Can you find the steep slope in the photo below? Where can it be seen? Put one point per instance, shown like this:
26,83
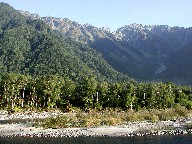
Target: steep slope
166,47
179,66
146,53
30,46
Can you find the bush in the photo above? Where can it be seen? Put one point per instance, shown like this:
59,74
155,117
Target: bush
112,117
154,118
181,110
58,122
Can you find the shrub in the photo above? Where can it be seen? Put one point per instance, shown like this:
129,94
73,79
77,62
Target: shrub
181,110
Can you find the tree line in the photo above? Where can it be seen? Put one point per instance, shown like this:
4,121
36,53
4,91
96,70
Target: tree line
54,91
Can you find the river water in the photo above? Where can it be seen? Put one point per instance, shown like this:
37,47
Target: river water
181,139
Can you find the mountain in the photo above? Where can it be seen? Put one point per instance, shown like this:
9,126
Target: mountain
85,33
116,53
166,49
29,46
146,53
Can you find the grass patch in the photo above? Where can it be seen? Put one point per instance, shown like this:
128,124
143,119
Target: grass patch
112,117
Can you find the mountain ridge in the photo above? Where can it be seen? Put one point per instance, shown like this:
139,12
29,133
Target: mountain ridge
142,52
29,46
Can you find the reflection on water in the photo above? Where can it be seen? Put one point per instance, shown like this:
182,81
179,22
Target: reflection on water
184,139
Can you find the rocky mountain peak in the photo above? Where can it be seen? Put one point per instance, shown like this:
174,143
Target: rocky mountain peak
105,29
26,13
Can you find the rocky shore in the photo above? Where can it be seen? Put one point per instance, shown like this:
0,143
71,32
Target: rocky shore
5,115
8,131
144,128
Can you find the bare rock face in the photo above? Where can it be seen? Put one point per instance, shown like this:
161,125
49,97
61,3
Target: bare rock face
84,33
137,35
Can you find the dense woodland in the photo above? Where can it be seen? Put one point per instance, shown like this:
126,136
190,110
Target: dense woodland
53,91
29,46
39,69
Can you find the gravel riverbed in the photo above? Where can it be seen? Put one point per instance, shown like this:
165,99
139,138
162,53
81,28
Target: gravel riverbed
142,128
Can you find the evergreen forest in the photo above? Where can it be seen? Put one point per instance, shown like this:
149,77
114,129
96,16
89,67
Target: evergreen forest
40,69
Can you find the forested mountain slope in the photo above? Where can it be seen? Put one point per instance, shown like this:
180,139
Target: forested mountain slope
147,53
29,46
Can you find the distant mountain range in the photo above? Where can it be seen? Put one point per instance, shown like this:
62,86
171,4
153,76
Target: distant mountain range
166,51
146,53
39,45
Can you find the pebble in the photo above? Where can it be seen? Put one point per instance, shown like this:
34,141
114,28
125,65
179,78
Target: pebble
178,127
82,133
4,115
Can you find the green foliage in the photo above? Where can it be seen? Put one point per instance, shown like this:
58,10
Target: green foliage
54,91
109,117
29,46
40,69
181,110
57,122
91,119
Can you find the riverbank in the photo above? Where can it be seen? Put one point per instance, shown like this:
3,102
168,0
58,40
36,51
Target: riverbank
5,115
141,128
133,129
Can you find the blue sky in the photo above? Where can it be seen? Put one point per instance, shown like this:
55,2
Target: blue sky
112,13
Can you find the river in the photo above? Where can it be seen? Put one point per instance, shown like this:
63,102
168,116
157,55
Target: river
179,139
